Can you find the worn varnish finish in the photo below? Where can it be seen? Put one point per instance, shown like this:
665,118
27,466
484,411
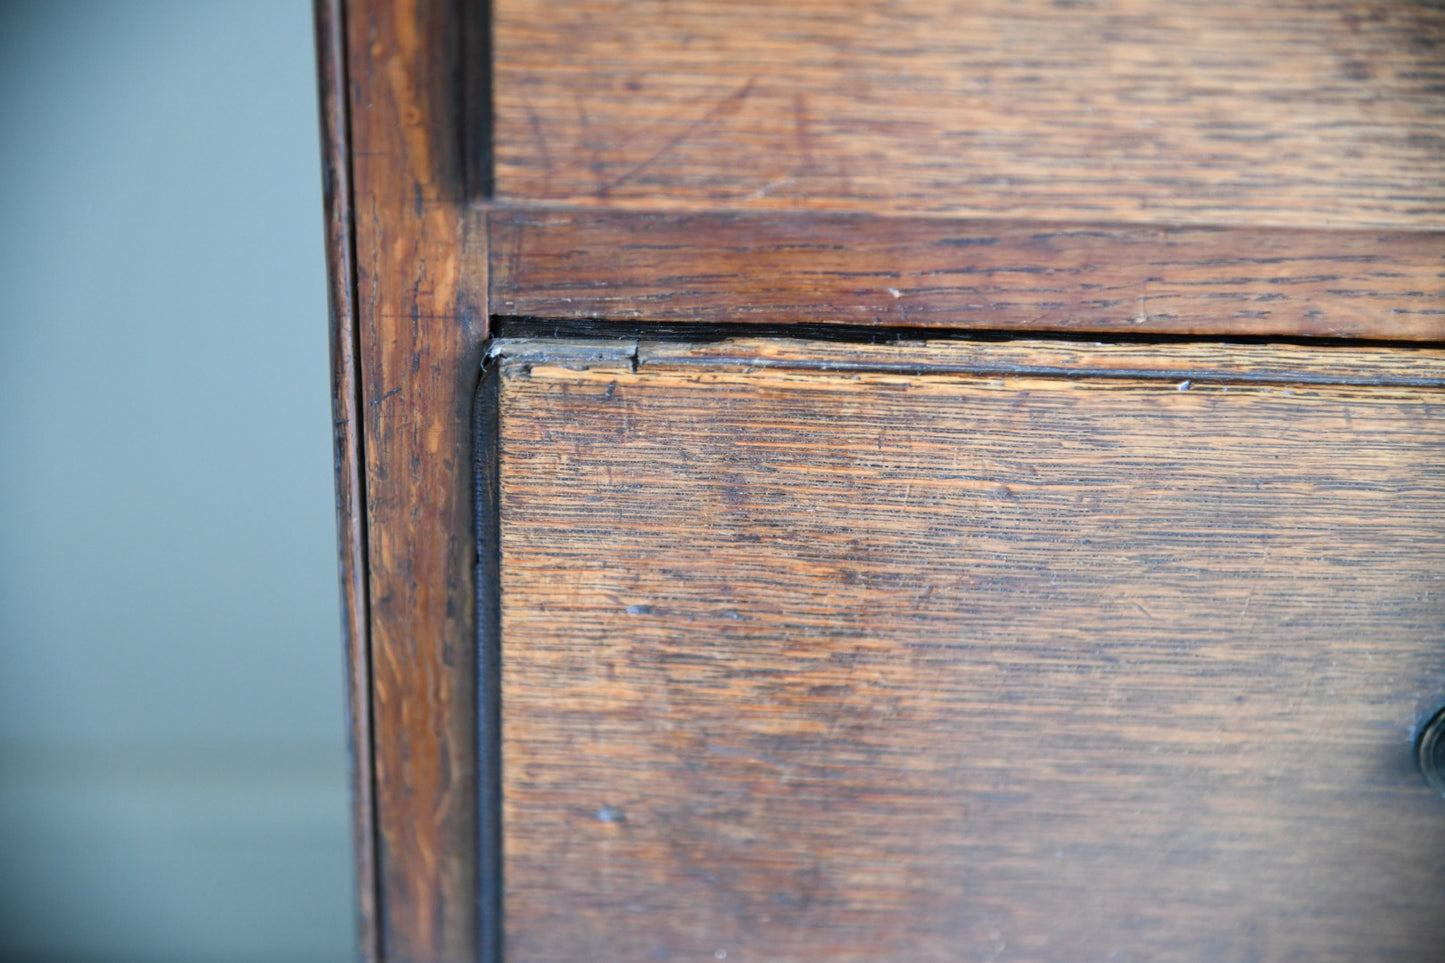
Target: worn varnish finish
917,272
1312,114
1123,166
421,316
346,427
805,661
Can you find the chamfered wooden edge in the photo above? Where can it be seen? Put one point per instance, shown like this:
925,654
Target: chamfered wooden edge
486,488
346,433
809,267
1186,364
1203,362
421,319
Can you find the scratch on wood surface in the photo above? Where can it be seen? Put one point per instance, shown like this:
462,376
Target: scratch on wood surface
724,107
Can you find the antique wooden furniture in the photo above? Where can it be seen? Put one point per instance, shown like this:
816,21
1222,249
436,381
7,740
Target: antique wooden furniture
891,480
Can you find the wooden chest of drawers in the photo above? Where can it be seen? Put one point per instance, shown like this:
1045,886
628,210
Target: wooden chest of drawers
891,480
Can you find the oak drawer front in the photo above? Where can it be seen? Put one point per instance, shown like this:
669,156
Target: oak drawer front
1312,114
963,651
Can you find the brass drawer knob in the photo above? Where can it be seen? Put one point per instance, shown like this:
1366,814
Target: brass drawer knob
1430,752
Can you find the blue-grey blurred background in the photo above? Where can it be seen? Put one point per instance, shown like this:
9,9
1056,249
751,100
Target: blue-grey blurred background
172,765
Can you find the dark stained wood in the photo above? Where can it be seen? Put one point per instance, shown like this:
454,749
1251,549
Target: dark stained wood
346,428
1302,113
818,658
819,268
422,316
1126,166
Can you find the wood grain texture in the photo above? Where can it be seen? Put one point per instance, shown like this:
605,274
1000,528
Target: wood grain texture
932,272
422,316
1211,362
1303,113
911,665
346,440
